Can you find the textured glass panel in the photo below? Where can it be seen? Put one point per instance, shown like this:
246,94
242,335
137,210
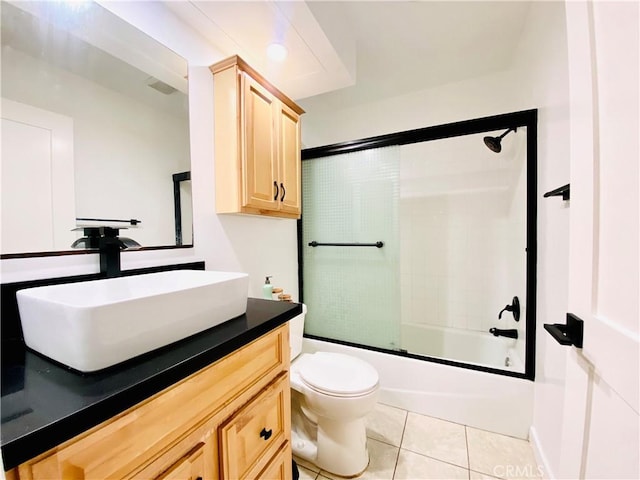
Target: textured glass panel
352,293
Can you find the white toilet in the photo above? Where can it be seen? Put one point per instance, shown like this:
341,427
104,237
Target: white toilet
331,394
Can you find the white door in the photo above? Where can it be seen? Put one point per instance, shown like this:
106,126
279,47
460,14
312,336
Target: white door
36,170
600,430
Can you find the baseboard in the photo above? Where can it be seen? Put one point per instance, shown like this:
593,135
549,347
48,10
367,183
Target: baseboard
541,458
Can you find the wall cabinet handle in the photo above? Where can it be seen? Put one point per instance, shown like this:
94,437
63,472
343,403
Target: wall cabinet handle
275,196
284,192
266,434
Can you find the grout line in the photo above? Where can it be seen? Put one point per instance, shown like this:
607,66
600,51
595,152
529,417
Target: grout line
466,441
486,474
382,441
404,427
436,458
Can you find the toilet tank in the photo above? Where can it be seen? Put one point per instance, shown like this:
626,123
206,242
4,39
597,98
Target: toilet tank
296,329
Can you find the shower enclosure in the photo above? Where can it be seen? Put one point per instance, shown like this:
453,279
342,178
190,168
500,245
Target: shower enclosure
422,243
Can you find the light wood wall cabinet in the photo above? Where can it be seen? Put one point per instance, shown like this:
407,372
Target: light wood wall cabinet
257,143
231,420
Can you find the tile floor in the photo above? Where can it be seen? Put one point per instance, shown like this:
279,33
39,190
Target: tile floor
408,446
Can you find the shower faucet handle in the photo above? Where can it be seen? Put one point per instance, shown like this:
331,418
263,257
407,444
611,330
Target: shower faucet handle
513,308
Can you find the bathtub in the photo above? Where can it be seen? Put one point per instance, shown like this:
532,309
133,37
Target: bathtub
478,348
479,399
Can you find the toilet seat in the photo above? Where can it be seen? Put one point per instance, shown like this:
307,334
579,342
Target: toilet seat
338,375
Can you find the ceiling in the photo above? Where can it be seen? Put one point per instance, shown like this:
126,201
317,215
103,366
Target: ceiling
350,52
341,53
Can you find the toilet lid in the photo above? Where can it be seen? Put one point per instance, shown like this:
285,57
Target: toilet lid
339,374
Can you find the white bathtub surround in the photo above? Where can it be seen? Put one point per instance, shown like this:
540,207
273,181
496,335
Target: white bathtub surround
496,403
475,347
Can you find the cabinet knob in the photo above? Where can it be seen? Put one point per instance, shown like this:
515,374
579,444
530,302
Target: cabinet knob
275,196
284,192
266,434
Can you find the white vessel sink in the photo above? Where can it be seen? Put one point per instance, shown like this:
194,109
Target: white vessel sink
93,325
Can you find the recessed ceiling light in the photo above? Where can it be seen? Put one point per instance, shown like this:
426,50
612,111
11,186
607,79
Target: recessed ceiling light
277,52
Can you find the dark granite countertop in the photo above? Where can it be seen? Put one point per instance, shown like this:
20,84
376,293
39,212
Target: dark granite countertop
44,403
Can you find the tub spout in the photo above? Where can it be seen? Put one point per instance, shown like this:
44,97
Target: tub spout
509,332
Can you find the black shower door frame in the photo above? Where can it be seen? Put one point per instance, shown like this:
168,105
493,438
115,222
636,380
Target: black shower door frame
524,118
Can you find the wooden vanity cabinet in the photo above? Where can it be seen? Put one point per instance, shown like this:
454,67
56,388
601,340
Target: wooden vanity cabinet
257,143
230,420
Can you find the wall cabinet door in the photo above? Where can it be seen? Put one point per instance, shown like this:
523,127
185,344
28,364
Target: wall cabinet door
260,159
290,163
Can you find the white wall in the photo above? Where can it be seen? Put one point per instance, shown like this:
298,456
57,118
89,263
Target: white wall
478,97
258,246
542,61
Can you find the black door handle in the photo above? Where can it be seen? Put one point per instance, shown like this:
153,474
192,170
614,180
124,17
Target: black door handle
266,434
275,184
284,192
571,333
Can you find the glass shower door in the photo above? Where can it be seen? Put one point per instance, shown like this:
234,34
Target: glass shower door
463,214
352,291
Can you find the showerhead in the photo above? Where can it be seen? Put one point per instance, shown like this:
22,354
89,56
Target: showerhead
494,142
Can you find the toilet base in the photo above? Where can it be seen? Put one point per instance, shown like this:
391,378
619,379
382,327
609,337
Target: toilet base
339,448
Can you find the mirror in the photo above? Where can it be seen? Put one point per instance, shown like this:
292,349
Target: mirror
94,125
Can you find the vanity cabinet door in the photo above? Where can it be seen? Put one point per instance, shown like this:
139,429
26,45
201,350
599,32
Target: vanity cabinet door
253,436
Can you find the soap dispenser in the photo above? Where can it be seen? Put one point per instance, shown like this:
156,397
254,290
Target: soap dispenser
267,288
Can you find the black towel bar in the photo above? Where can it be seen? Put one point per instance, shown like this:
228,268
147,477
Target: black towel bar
132,221
318,244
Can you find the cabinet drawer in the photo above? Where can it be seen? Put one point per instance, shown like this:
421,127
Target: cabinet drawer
190,467
139,436
251,437
280,467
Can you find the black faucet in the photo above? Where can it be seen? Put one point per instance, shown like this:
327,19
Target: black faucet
513,308
509,332
110,246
